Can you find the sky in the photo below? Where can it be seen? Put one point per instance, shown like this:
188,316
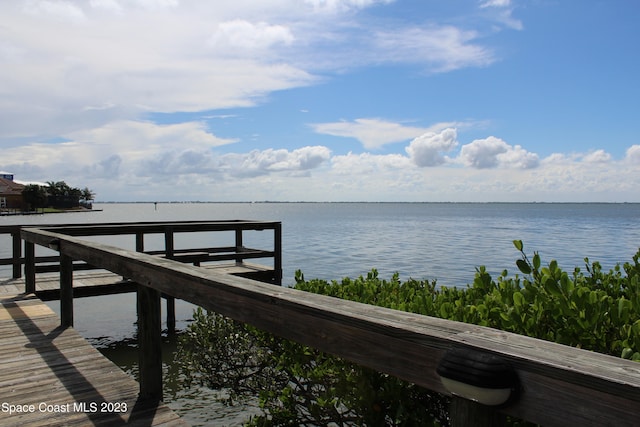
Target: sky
324,100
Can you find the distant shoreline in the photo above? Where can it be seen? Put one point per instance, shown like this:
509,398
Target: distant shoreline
46,212
363,202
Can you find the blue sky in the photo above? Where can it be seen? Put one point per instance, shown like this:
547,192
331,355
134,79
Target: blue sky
324,100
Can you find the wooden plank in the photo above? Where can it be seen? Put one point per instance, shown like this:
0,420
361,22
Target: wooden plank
60,378
26,311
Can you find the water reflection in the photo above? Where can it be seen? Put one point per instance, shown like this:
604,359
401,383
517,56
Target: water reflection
198,406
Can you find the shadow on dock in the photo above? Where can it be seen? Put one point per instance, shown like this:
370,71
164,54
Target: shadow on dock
57,378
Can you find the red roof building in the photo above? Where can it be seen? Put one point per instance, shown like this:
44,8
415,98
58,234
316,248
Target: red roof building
10,193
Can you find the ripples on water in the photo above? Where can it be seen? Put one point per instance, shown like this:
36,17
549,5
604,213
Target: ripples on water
439,241
443,241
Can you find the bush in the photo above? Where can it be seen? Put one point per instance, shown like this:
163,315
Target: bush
298,385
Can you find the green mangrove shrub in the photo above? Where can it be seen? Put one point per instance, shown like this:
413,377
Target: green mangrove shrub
298,385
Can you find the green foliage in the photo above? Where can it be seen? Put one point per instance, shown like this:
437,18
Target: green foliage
298,385
34,196
56,194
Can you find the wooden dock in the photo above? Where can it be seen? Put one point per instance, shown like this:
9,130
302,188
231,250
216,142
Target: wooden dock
555,385
95,283
50,375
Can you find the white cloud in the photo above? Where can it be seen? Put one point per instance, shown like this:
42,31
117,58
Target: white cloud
483,153
633,154
135,56
241,34
374,133
428,149
148,56
441,48
496,3
114,157
110,5
61,10
493,152
503,13
518,157
366,165
123,146
157,4
138,160
264,162
138,139
597,156
343,5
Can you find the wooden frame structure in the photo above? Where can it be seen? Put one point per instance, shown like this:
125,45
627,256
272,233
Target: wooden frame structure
560,385
237,253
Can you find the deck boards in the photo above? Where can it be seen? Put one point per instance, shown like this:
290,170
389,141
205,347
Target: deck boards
43,364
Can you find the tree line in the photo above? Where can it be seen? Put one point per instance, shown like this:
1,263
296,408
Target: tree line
56,194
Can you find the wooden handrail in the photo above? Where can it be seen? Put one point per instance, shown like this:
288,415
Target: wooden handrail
560,385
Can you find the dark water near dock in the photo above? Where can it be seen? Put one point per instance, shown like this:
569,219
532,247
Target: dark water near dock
442,241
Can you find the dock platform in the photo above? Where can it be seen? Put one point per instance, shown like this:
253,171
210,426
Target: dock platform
50,375
96,282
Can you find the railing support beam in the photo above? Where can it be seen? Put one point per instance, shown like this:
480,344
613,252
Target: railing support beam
239,246
277,257
66,290
169,247
149,343
171,314
465,413
29,267
17,254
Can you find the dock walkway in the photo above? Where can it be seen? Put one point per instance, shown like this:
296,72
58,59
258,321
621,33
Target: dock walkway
50,375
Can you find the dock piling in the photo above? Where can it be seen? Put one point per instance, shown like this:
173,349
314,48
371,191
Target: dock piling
66,290
149,343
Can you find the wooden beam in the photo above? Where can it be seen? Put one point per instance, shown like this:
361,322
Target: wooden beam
239,246
17,253
464,413
139,241
168,242
277,257
149,343
66,290
29,267
171,314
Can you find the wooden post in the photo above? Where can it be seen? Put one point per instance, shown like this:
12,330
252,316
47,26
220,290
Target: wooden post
277,257
171,301
171,315
239,245
463,413
29,267
66,290
149,343
139,241
17,254
168,242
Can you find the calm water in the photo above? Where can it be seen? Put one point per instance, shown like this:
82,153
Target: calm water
439,241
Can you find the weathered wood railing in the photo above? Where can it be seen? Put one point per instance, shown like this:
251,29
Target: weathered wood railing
560,385
238,252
